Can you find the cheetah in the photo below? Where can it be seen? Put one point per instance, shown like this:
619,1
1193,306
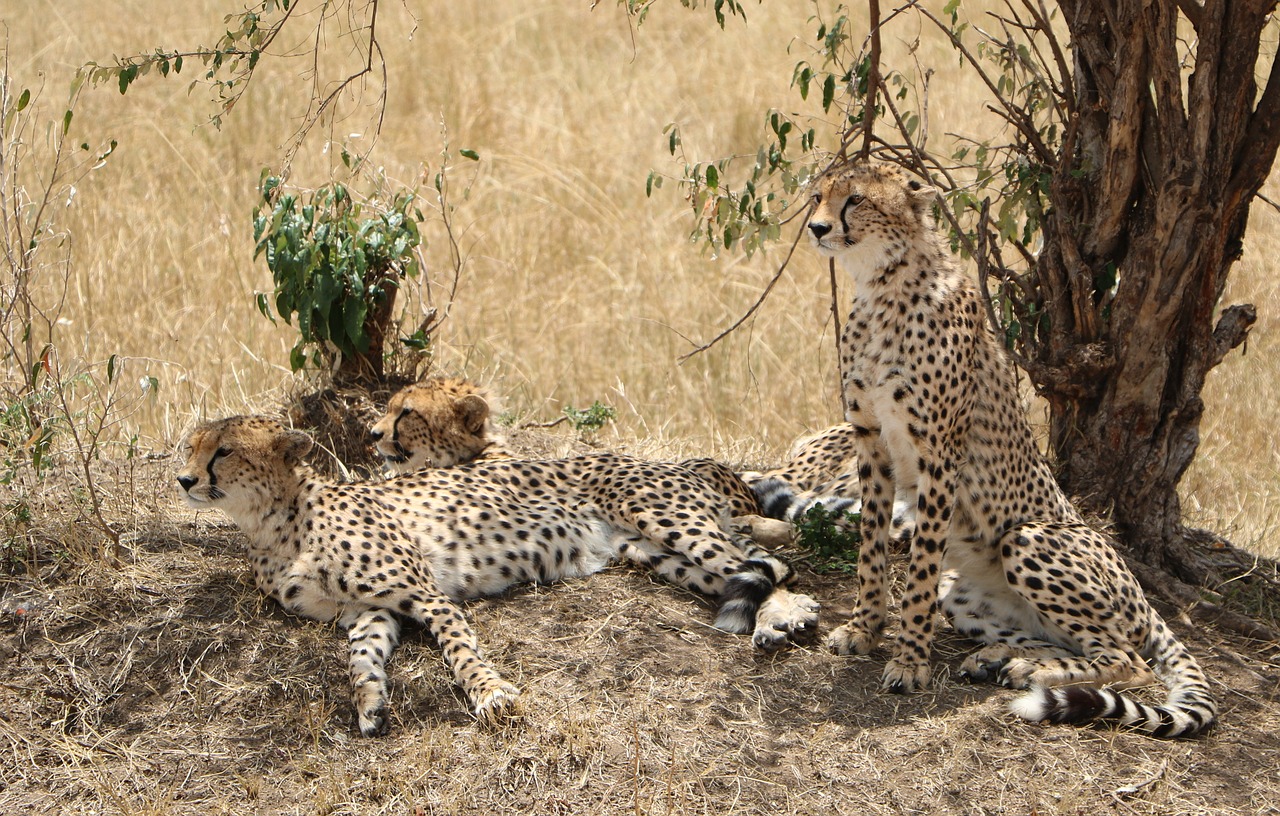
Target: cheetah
448,421
366,554
997,544
822,470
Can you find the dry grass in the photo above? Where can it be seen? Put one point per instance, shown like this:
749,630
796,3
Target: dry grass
170,686
577,287
165,684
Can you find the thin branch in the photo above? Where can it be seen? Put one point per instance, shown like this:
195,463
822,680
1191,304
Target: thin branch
1268,201
873,79
835,319
754,307
1041,16
316,112
1040,73
1018,118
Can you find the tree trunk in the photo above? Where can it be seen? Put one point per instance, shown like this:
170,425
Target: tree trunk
1154,192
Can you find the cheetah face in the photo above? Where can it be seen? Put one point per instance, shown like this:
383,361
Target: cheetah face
436,423
238,464
867,209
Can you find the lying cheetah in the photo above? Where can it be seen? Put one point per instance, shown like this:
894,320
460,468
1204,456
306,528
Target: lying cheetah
932,403
822,470
364,554
448,421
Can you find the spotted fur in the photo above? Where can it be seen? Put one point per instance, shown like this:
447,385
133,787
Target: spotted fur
447,421
366,554
444,422
932,404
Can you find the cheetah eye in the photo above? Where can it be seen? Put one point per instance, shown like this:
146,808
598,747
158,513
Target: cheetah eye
856,198
405,411
817,198
221,452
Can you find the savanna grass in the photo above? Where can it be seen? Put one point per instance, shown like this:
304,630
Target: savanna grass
576,286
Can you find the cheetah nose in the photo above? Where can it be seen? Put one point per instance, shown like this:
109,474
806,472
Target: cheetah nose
376,434
819,229
187,482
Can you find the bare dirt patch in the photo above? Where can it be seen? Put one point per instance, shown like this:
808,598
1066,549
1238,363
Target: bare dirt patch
168,685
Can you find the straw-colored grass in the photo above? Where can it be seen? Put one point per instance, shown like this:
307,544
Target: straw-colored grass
577,287
158,681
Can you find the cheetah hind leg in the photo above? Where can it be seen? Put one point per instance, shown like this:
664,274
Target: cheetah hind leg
982,607
1103,650
745,579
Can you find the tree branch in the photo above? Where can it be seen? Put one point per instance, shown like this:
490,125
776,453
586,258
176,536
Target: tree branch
1232,330
755,306
1019,118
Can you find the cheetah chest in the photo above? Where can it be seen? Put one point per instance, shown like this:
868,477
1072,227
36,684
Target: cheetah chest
876,371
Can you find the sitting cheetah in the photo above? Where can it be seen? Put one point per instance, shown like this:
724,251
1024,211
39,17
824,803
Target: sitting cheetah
364,554
997,543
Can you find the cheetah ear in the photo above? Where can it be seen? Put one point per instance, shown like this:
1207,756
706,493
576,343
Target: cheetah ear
474,412
293,445
921,195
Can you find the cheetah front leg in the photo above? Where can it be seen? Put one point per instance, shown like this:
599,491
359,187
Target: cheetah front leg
490,695
372,635
909,669
865,627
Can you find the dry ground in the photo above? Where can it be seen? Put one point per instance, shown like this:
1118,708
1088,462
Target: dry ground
168,685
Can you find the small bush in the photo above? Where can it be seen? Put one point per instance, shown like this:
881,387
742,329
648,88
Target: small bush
832,539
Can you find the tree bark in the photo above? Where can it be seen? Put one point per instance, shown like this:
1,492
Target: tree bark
1155,193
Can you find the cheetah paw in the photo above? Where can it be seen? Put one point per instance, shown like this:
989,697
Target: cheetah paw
785,617
493,704
987,665
903,676
373,722
852,639
1018,673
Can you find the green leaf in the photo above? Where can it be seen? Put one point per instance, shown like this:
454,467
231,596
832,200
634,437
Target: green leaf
828,92
713,176
468,153
24,98
66,122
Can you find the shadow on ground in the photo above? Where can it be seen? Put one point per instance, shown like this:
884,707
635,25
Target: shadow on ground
169,686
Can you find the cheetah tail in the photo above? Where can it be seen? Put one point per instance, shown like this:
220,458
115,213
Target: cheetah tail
1085,704
779,500
1188,709
747,589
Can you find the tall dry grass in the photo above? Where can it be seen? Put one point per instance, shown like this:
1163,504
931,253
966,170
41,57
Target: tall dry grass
577,287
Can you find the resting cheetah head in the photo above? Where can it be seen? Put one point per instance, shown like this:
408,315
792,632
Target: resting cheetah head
439,422
869,210
239,465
